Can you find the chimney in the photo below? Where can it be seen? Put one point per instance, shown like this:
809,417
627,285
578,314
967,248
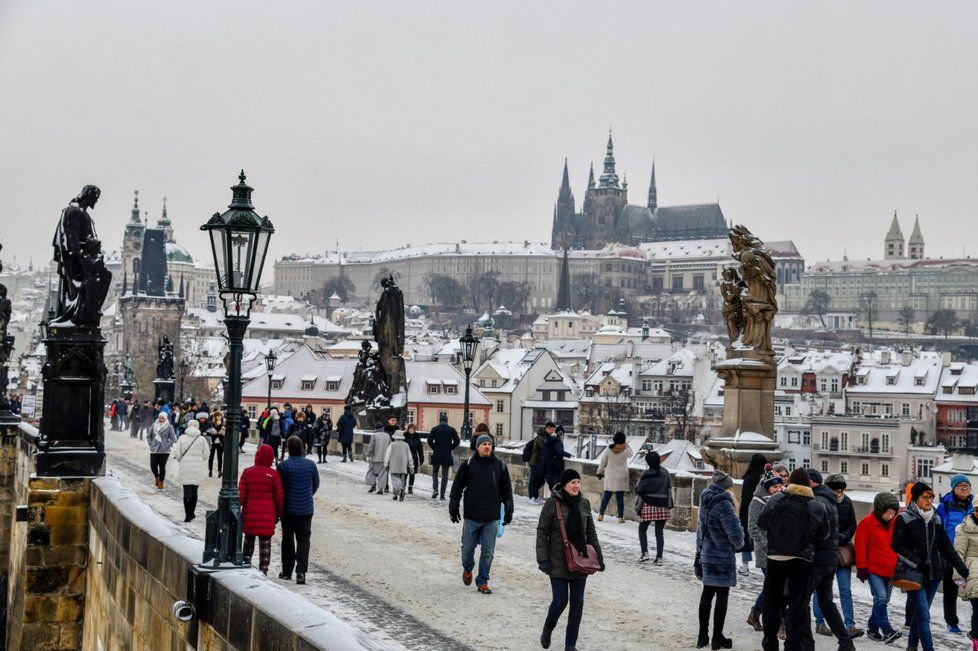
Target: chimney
906,357
946,358
885,356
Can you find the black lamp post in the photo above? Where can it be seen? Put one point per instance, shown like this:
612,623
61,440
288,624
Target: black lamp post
183,367
239,242
467,343
270,360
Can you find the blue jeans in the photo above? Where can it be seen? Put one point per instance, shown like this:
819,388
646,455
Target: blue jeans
920,621
759,602
619,499
843,578
881,589
482,534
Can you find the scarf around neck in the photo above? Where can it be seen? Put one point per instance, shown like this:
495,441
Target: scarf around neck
159,427
574,526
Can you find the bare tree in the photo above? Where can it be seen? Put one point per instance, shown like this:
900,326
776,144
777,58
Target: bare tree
679,411
444,290
339,285
906,318
586,291
513,295
818,304
869,306
482,290
607,415
943,322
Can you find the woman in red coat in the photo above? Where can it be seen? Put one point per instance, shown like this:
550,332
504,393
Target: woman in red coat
876,561
260,492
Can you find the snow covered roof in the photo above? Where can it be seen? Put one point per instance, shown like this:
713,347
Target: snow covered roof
712,248
920,375
817,361
958,384
281,322
525,248
679,364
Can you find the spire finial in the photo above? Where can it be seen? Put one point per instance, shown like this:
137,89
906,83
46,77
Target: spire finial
242,177
164,206
135,201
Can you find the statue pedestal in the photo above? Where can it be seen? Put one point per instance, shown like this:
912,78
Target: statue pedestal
749,380
164,390
71,442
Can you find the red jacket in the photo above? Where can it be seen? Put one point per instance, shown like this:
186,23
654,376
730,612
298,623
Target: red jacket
260,491
873,546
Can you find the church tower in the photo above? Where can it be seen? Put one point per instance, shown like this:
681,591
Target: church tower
915,248
164,224
132,244
605,203
563,211
653,193
893,244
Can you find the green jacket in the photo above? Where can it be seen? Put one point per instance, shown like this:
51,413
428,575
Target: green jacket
550,544
538,446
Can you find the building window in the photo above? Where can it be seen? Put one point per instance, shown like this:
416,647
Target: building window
856,406
844,467
845,441
449,389
308,385
864,469
825,465
251,411
794,382
806,438
499,430
794,436
884,470
499,406
924,467
677,282
433,388
410,416
276,384
332,386
905,409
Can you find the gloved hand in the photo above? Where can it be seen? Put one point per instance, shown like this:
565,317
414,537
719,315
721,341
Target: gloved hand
862,574
507,518
454,514
602,566
600,476
544,567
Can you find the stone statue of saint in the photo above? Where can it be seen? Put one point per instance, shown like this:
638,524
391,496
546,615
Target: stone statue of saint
389,319
731,288
83,279
759,298
164,364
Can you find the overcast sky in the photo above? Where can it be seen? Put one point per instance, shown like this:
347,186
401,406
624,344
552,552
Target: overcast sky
383,123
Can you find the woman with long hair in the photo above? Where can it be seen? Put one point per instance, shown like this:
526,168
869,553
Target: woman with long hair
655,491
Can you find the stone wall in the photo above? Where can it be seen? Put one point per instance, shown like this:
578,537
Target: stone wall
686,488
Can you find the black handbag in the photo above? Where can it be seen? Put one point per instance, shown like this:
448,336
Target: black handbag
907,575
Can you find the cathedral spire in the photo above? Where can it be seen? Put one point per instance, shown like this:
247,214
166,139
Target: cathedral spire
566,195
134,215
563,289
590,178
609,179
182,293
653,193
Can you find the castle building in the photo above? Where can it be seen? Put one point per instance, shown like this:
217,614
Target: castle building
893,243
607,217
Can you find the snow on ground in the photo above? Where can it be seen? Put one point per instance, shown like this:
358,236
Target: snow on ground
392,569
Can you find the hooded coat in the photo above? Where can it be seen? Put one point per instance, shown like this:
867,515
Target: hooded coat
913,537
752,477
817,527
718,536
191,451
377,448
398,456
344,427
550,542
614,466
953,512
260,491
873,545
966,545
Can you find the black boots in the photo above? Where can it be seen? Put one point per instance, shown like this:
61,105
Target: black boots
720,642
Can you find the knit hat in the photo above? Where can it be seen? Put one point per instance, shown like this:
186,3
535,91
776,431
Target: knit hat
800,477
652,458
883,502
549,423
192,428
815,476
919,489
483,438
443,418
836,482
959,479
618,438
723,480
568,475
770,478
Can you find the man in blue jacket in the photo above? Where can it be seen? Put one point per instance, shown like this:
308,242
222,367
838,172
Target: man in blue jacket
300,481
953,509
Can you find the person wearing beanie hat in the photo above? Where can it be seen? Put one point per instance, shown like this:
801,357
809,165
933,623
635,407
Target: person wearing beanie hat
921,538
794,521
565,519
814,476
953,508
483,489
875,562
345,425
191,451
719,535
613,471
751,478
399,463
480,429
770,484
443,439
552,455
654,505
843,575
160,439
536,462
483,438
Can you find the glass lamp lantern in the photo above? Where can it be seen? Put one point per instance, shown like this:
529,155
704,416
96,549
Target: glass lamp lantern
467,343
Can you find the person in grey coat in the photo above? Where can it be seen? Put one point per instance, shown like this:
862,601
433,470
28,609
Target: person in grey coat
160,438
718,536
377,453
399,463
770,484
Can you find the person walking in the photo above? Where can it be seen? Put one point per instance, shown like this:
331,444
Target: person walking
770,484
751,478
344,432
216,433
377,453
613,471
135,420
413,439
442,439
160,439
537,476
966,545
398,463
322,431
919,537
261,495
566,587
300,481
244,421
301,429
483,488
826,562
876,562
654,490
718,537
190,452
794,521
953,509
843,573
480,429
552,456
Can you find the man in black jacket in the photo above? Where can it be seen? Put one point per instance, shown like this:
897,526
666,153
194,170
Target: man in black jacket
442,440
794,521
843,575
537,476
484,482
826,562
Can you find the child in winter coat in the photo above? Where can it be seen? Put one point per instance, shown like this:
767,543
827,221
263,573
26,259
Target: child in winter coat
399,463
191,451
261,495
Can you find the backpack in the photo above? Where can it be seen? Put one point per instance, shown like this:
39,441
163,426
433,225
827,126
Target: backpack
789,526
528,451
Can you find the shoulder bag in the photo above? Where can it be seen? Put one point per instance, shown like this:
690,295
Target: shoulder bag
576,563
847,555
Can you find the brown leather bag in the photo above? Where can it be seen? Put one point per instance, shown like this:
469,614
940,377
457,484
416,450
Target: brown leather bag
576,563
847,555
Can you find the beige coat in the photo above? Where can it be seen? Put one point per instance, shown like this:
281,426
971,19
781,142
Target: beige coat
614,466
966,545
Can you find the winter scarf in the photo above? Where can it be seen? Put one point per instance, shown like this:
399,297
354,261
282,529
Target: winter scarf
574,526
159,427
927,515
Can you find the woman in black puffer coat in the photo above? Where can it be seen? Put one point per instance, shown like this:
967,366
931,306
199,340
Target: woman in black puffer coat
564,584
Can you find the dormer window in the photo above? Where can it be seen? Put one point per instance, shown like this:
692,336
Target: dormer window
918,381
308,385
276,384
332,386
434,388
891,380
449,389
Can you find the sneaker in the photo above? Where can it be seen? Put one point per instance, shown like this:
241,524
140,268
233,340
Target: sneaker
744,568
300,579
657,561
891,637
822,629
854,631
484,589
284,576
876,636
954,628
644,557
467,578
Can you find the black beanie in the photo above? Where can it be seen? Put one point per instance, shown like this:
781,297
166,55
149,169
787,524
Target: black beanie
568,475
652,458
799,477
919,489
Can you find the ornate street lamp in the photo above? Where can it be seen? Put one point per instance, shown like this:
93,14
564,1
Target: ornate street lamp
270,360
239,242
467,343
183,367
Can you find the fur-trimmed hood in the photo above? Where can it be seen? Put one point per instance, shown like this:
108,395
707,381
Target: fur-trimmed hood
800,491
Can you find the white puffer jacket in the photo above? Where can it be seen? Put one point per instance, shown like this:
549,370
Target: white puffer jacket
191,451
614,467
966,545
